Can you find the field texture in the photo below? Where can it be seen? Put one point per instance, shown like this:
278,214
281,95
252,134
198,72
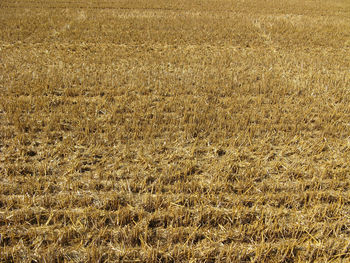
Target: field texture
175,131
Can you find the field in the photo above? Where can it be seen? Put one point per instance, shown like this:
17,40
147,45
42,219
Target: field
175,131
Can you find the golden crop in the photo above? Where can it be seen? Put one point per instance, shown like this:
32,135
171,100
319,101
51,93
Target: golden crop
175,131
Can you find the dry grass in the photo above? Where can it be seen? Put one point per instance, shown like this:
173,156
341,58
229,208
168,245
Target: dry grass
175,131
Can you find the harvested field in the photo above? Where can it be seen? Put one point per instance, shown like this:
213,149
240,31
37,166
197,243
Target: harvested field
175,131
